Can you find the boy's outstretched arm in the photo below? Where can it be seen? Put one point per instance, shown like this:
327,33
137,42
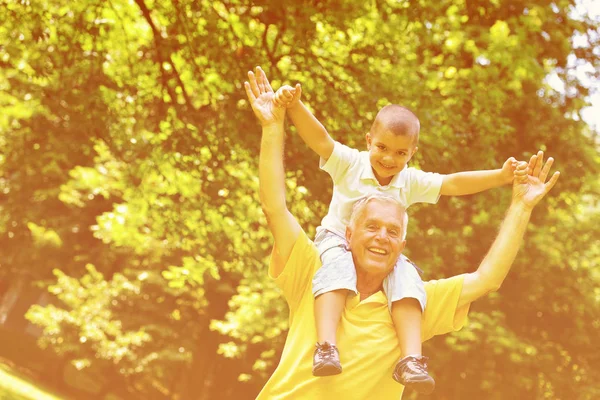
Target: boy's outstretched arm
310,129
469,182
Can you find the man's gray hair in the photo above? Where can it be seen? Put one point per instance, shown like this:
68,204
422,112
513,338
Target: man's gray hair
358,208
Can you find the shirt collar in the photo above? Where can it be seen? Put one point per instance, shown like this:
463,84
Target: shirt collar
354,301
398,181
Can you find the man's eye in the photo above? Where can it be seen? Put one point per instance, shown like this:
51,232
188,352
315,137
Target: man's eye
371,227
381,147
394,233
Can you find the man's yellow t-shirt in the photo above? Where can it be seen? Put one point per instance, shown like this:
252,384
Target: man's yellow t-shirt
366,337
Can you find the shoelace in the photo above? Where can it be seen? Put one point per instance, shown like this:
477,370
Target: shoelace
326,350
418,364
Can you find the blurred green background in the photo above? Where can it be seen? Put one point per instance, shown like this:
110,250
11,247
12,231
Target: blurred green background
133,250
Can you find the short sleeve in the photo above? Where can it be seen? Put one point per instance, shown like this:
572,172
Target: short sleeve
423,187
340,160
442,314
296,277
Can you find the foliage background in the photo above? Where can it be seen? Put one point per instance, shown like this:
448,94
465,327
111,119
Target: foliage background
128,185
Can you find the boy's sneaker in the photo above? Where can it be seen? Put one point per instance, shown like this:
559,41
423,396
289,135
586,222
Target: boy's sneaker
411,371
326,360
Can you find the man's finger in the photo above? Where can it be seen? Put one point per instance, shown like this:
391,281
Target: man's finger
259,79
249,93
253,84
546,169
267,83
532,162
551,182
539,163
265,80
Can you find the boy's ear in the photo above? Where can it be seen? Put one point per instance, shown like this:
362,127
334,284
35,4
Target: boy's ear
369,139
348,233
414,150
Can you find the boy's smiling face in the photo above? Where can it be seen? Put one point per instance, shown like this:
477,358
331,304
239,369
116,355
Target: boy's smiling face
389,153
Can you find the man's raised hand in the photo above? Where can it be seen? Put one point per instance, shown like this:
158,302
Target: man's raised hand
261,97
529,185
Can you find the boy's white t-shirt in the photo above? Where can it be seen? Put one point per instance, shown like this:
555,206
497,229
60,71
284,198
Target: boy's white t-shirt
353,179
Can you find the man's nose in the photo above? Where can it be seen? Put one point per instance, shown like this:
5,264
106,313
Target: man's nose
381,235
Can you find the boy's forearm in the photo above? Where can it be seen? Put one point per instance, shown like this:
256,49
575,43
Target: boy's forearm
311,130
470,182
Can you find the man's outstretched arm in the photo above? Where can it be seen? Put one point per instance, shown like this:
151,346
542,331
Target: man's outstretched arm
271,173
529,188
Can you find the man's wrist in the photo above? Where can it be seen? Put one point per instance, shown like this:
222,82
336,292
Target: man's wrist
272,125
520,207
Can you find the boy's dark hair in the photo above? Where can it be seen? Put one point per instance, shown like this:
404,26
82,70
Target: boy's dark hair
399,120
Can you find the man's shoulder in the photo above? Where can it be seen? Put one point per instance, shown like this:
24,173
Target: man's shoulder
304,251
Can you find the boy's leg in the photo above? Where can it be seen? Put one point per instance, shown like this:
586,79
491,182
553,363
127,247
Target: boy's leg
331,285
407,299
328,311
407,314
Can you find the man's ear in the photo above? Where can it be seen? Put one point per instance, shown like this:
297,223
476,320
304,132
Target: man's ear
369,140
402,246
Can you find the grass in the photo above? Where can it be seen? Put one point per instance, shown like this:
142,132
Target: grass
14,386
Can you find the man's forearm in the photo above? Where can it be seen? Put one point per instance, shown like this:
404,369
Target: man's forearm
311,130
469,182
497,263
271,173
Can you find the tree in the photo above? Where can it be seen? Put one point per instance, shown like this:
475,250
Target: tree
128,147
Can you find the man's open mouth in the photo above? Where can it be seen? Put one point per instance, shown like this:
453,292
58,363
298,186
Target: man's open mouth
377,250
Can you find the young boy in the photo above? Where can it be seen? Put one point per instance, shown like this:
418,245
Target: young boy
391,142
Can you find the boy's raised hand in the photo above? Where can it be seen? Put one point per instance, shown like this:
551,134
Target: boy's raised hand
287,96
508,170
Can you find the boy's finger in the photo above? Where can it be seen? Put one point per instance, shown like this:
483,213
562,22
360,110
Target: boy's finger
522,165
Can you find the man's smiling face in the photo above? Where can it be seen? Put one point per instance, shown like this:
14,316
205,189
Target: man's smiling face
375,237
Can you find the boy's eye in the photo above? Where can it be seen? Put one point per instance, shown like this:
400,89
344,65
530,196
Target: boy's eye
402,153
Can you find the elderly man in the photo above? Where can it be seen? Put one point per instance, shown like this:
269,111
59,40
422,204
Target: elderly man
366,331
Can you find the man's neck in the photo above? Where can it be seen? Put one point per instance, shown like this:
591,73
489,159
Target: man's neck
368,285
